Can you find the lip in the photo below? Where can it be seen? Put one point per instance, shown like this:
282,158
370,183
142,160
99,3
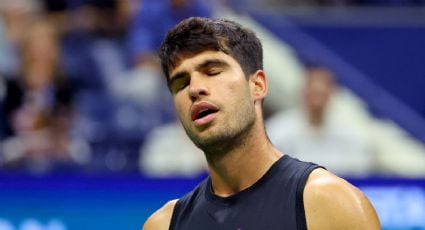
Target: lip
199,107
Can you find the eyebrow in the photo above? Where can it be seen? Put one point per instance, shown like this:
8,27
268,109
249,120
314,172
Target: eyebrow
204,65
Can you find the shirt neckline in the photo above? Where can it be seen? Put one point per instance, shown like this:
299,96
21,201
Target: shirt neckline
226,201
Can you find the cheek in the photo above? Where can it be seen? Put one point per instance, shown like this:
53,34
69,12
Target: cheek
235,84
240,90
180,106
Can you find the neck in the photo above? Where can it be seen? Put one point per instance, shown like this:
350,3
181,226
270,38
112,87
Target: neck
316,118
243,164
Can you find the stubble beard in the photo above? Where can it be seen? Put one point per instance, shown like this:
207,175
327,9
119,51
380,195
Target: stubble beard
228,135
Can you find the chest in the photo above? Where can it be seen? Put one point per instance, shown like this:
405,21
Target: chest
270,210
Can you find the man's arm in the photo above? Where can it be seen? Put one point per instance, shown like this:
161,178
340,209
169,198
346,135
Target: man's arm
160,220
332,203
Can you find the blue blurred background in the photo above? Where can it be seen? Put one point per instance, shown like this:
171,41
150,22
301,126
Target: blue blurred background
89,138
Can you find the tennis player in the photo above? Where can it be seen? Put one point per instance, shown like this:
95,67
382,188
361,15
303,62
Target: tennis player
215,73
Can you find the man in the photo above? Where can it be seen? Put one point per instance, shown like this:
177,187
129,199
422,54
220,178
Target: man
319,131
214,72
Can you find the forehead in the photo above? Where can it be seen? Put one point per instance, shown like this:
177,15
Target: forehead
190,63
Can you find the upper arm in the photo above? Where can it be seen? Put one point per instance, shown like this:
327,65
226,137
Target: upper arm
332,203
160,220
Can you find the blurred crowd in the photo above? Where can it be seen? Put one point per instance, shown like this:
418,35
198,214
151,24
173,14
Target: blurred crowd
81,90
80,83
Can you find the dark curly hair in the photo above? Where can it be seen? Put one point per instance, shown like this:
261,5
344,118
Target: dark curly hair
195,35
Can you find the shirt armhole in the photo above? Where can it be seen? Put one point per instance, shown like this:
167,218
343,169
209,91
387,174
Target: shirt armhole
299,202
176,212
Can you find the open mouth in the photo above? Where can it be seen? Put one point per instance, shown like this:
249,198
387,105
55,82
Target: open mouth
203,113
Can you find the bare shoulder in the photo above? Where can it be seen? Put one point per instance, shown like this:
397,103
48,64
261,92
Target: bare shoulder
160,220
332,203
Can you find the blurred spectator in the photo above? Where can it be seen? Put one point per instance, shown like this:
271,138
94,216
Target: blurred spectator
15,15
283,68
311,133
32,89
39,107
168,151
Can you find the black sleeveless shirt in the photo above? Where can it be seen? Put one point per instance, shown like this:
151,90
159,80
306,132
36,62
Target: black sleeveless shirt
274,202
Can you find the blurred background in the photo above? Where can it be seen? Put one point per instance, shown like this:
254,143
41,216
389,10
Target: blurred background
88,134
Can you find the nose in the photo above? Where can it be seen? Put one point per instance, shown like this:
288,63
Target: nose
197,88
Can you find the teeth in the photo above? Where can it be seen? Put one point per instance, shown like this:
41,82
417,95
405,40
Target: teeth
201,113
202,110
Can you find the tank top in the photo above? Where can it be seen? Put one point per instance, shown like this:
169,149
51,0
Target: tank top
275,201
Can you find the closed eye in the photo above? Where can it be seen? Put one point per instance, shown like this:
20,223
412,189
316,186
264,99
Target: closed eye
213,72
179,85
212,67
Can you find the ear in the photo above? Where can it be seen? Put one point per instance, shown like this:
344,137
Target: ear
258,85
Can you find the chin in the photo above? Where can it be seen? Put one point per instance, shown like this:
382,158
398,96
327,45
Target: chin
208,140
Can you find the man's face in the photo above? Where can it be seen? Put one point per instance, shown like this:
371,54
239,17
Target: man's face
318,90
212,98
